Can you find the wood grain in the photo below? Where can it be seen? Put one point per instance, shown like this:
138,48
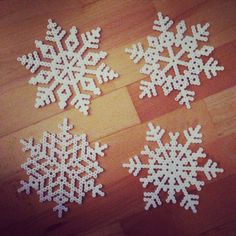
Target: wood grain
118,118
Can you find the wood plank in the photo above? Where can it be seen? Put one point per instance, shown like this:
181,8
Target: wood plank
113,229
222,108
117,118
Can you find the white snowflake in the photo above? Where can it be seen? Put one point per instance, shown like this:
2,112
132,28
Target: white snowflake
66,68
62,168
186,64
173,168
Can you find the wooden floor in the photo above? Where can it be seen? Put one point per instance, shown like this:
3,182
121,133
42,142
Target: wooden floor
117,118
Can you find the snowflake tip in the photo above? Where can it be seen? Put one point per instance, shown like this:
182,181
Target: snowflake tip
154,133
60,209
65,126
100,149
184,97
193,135
103,54
24,187
148,89
38,43
134,166
73,30
27,144
136,52
190,201
163,23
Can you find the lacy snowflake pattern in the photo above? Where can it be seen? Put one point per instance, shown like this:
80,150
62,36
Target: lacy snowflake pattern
62,168
64,66
173,168
182,68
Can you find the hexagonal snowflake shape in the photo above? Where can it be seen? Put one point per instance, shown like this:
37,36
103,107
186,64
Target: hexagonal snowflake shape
182,55
65,67
173,167
62,168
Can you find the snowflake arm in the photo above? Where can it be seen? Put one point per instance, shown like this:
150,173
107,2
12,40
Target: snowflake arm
147,89
104,74
135,166
91,39
200,32
96,189
210,169
155,134
99,149
193,135
136,52
92,59
55,34
46,96
152,199
72,41
163,23
190,201
181,29
31,61
185,97
211,68
44,77
81,101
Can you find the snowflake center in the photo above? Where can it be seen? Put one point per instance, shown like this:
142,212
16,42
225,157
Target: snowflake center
172,167
174,60
68,68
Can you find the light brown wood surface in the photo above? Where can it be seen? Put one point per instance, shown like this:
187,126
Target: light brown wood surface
117,118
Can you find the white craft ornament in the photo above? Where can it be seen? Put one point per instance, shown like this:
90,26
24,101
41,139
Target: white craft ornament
62,168
173,167
63,65
190,56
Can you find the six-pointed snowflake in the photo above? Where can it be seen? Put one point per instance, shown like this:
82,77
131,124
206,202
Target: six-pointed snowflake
62,168
66,68
187,62
173,167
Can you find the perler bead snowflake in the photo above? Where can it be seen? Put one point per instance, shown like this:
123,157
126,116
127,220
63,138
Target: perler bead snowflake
173,168
66,67
62,168
182,56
